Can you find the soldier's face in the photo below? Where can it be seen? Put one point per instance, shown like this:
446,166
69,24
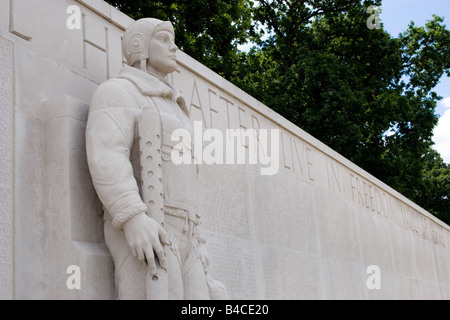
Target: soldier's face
162,51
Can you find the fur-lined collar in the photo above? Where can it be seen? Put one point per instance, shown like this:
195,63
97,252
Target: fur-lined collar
152,86
148,84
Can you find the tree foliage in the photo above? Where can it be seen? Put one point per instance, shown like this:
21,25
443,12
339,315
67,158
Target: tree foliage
434,190
208,31
363,92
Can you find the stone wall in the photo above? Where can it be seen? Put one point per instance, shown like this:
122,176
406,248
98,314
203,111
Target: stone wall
311,231
6,167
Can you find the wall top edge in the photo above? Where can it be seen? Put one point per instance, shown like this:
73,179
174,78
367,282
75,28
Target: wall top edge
108,12
212,77
123,21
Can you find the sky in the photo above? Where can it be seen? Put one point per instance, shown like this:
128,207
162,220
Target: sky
396,16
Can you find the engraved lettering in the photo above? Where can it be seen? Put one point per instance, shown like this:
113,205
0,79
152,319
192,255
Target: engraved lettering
309,162
366,194
371,197
197,104
214,109
287,152
334,176
299,152
228,104
243,124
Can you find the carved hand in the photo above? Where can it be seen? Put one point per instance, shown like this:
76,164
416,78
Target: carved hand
146,237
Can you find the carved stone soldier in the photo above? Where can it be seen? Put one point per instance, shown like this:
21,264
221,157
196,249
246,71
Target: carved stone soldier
151,219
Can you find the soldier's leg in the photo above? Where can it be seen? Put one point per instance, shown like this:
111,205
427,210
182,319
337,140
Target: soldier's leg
132,276
130,273
187,270
194,278
173,258
174,269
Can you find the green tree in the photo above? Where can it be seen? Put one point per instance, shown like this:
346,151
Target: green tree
434,190
364,93
208,31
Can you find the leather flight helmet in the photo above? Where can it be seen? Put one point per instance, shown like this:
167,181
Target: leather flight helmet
137,37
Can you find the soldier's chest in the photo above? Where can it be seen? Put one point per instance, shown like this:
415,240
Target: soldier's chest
172,117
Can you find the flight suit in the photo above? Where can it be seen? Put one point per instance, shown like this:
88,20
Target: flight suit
128,140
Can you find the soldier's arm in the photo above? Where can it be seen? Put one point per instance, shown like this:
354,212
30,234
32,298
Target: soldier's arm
109,138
